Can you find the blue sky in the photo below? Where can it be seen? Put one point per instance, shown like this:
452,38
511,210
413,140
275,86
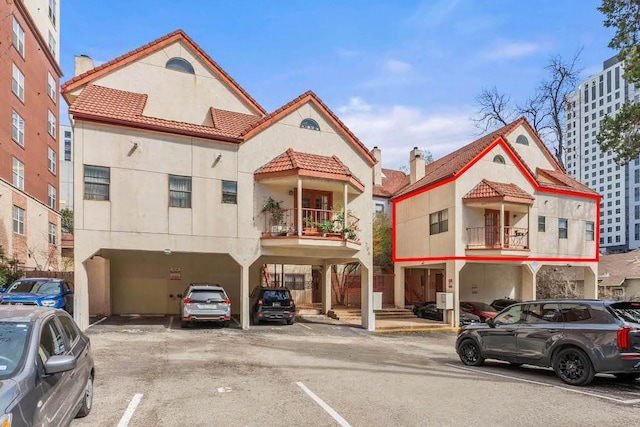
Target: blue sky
399,73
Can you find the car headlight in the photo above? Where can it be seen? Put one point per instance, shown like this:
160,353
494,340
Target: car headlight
47,303
5,420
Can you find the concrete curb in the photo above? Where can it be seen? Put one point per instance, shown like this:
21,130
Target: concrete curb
415,331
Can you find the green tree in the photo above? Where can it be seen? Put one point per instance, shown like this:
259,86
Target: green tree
67,220
621,134
382,243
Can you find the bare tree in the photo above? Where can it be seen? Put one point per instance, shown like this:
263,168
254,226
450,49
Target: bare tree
555,283
544,110
342,280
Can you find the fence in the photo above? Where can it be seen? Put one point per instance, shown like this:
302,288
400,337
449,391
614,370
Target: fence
352,295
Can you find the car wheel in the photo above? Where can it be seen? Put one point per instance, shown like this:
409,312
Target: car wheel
225,324
87,399
289,321
256,319
573,367
627,377
469,352
184,324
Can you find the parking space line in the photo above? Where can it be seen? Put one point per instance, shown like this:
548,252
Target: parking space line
236,322
96,322
573,390
305,326
128,414
170,323
341,421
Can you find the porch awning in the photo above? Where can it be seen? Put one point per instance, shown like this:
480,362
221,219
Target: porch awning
488,191
291,163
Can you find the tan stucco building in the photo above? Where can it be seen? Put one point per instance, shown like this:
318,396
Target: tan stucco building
480,222
173,165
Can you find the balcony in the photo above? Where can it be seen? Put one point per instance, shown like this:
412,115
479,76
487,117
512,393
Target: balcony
488,238
319,228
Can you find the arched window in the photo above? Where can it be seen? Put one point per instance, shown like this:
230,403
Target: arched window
309,124
180,64
522,140
498,159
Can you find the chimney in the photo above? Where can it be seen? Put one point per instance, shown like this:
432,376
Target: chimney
83,63
416,165
377,168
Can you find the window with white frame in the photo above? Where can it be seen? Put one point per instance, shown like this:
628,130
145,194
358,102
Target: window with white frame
52,87
53,232
18,220
542,223
18,173
52,160
17,83
52,11
17,128
52,196
18,37
51,120
96,182
230,192
590,230
52,44
179,191
439,222
563,228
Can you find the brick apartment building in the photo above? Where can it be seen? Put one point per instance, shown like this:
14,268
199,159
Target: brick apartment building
29,83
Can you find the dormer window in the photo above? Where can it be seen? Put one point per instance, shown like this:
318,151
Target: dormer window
179,64
310,124
499,159
521,139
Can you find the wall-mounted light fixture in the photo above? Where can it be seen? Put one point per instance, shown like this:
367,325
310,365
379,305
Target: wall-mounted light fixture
167,251
291,192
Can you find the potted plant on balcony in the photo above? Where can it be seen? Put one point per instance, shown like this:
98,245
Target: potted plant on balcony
310,226
276,215
325,227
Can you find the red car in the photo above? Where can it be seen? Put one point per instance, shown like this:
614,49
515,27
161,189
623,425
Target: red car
480,309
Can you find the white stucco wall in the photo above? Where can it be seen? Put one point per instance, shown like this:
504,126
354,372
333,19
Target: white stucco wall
491,281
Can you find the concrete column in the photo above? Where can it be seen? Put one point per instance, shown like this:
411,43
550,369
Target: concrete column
528,291
299,213
366,295
501,225
99,277
244,297
398,286
591,281
345,198
452,285
326,287
81,295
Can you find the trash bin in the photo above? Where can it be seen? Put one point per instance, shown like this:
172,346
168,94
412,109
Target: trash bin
377,300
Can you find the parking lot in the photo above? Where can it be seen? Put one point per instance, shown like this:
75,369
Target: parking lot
152,373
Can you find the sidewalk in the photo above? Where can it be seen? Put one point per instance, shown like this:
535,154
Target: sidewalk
383,326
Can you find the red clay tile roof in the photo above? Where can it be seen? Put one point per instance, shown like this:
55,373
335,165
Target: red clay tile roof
562,182
293,161
392,182
230,122
151,47
488,189
271,118
103,104
452,163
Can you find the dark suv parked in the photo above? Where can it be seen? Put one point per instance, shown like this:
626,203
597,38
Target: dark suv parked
578,338
272,304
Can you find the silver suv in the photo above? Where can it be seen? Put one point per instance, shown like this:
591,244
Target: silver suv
578,338
204,303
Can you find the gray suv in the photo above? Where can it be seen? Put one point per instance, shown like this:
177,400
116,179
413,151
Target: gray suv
578,338
46,368
204,303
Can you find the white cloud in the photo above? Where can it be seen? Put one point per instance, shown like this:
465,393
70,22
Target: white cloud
396,129
508,49
396,66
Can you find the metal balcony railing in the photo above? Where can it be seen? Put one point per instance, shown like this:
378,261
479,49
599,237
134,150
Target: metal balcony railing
489,238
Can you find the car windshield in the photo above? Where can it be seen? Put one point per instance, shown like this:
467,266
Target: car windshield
44,287
276,295
14,339
480,306
206,295
628,311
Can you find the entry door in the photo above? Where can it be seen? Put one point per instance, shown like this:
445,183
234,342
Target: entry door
318,200
491,228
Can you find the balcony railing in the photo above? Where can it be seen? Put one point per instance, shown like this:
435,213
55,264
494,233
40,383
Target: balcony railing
489,238
315,222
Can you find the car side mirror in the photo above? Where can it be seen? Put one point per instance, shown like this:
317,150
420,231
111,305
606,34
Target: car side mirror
68,292
179,295
491,323
2,289
56,364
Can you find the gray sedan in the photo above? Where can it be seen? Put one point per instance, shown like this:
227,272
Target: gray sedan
46,368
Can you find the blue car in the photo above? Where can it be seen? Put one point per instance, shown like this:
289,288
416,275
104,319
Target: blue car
43,292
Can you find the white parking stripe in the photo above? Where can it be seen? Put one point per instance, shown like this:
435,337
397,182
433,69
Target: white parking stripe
128,414
341,421
305,326
96,322
573,390
236,322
